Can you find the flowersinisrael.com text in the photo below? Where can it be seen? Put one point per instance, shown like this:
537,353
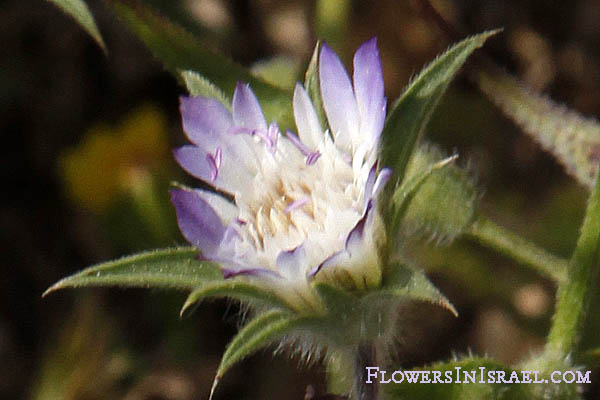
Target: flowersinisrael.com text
479,375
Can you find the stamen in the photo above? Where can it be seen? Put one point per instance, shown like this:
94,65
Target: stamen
273,135
269,136
312,156
296,204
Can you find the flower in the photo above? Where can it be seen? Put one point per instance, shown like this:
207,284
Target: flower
303,205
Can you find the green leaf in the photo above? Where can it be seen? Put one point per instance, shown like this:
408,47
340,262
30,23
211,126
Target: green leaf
179,50
79,10
197,85
168,268
238,290
313,87
457,390
574,295
412,111
256,334
411,284
429,198
570,137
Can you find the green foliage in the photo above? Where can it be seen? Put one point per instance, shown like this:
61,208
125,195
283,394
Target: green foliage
411,284
459,391
179,50
436,198
411,112
351,318
79,10
168,268
259,332
345,320
244,291
197,85
313,87
574,294
570,137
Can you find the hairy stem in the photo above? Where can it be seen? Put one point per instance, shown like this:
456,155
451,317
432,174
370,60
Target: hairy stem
574,294
511,245
366,356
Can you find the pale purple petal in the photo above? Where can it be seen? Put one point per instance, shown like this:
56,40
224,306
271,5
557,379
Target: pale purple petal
354,243
338,100
224,171
204,120
370,184
226,210
247,112
290,263
355,237
336,258
309,127
193,160
198,222
382,179
369,91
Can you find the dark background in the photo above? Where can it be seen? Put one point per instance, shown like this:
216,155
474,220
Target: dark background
56,84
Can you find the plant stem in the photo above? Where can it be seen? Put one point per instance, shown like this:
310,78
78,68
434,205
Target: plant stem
366,356
511,245
574,294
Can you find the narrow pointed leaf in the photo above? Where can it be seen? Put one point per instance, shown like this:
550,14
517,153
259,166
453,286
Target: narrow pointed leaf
179,50
168,268
574,140
575,294
412,111
79,10
256,334
411,284
197,85
234,289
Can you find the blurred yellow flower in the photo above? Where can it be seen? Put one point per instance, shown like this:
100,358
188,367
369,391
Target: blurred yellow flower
111,159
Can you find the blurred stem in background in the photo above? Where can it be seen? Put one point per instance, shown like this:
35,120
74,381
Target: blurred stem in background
331,23
514,246
83,363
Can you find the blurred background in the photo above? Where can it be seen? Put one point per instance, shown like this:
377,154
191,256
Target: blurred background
86,165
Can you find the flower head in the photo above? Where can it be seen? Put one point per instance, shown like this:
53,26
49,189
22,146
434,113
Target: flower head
303,205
